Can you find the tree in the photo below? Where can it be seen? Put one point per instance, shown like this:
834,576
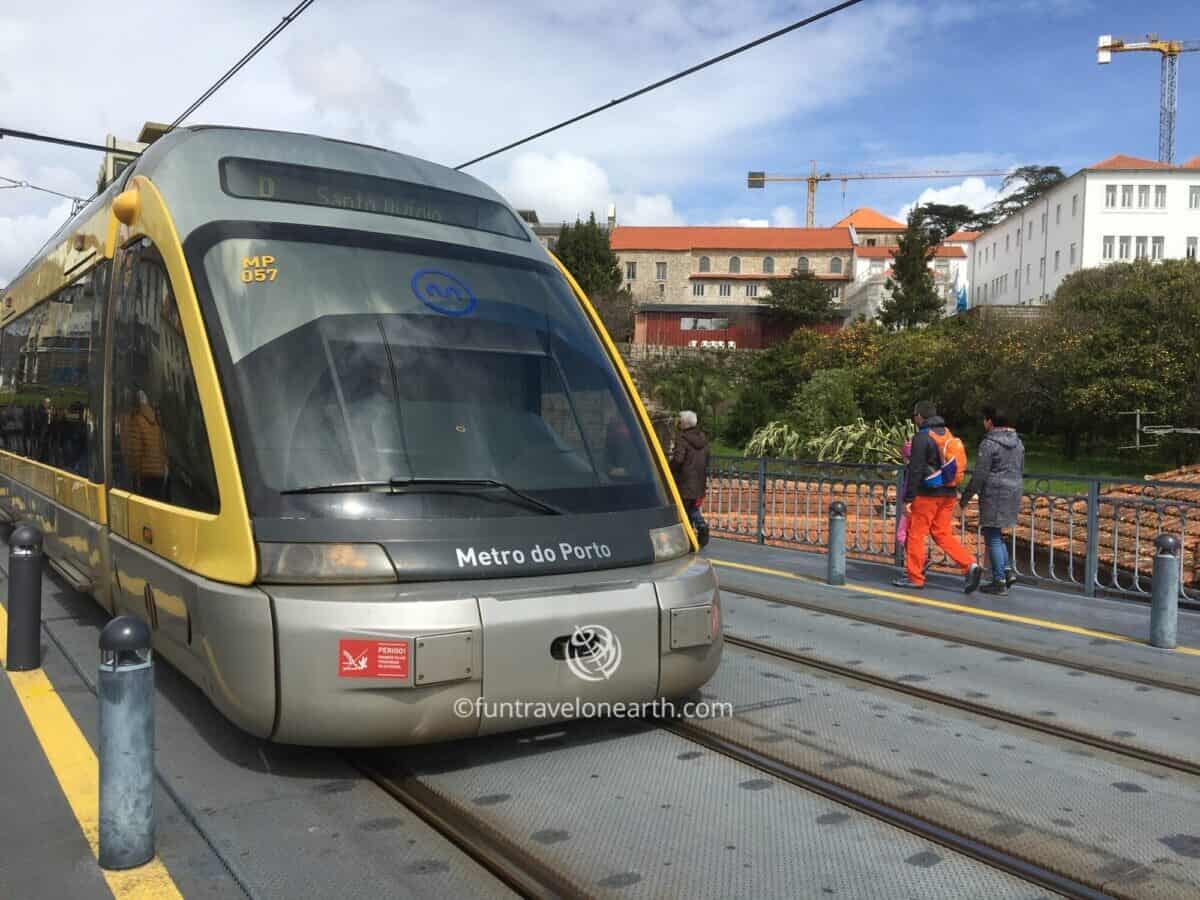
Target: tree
942,220
800,299
825,402
913,299
585,251
1033,180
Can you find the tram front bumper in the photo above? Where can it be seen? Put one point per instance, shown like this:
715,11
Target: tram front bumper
371,665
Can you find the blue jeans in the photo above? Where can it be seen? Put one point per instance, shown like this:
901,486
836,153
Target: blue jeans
997,552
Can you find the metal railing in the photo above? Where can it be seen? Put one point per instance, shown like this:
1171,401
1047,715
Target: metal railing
1097,537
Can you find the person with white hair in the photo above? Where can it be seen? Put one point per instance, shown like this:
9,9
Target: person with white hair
689,460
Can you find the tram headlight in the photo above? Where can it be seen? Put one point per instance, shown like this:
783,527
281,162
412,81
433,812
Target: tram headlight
324,563
669,542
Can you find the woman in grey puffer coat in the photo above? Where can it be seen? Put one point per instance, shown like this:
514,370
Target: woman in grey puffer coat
998,479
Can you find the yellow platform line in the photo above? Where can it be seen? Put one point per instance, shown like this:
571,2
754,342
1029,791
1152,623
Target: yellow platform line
956,607
78,772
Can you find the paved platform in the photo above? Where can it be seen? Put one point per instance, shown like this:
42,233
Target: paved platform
1071,627
236,817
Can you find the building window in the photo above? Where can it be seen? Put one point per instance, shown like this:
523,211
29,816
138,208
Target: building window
1072,257
1058,214
630,271
735,265
1006,244
687,323
551,243
1156,248
1028,272
1110,196
1074,204
769,265
835,265
1143,196
1160,196
802,264
1042,267
870,242
1140,252
1127,196
705,265
660,271
1191,247
725,290
1107,252
1018,237
876,266
1016,276
1194,196
995,244
1057,254
1045,216
752,290
1030,229
836,292
1123,247
698,289
662,289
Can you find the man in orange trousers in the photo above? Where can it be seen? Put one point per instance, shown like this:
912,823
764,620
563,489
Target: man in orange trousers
931,509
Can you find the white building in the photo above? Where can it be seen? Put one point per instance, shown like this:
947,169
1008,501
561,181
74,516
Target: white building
1120,209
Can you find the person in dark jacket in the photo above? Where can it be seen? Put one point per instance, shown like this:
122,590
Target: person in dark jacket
998,479
931,509
689,460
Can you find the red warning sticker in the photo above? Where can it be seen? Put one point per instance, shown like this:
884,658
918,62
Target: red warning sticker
373,659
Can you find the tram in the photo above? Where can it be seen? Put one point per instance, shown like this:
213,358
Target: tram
353,444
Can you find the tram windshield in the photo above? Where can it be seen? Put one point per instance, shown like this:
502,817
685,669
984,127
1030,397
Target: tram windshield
416,364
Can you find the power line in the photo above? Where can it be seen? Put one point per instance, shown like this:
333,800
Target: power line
63,142
15,183
665,81
254,51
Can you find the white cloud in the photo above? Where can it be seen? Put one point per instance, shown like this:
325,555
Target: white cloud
564,186
785,217
22,236
973,192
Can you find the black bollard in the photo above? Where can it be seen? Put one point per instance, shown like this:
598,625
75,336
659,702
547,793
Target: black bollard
126,692
24,651
1164,597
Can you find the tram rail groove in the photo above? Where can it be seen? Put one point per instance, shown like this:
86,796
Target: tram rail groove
1027,870
517,868
1034,656
979,709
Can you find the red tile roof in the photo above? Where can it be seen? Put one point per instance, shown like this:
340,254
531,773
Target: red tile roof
964,237
631,237
1121,161
943,252
866,219
1193,163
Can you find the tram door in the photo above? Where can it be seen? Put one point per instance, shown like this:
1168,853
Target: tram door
162,480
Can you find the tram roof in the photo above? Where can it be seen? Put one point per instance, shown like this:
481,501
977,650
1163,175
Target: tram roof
184,166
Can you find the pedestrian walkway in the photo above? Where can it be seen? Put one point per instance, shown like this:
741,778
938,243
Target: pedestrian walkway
1083,629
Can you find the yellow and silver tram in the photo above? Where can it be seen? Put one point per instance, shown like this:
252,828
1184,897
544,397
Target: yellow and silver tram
351,442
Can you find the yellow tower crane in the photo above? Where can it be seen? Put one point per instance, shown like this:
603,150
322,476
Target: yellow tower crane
759,180
1107,45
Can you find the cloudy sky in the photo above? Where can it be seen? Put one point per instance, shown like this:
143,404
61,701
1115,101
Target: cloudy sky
891,85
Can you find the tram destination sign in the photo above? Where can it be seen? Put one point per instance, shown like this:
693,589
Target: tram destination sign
260,179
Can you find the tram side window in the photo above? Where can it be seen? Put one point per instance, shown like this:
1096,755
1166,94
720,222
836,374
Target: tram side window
159,442
48,361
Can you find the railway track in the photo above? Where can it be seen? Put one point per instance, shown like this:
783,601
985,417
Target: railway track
1012,864
515,866
968,641
1101,743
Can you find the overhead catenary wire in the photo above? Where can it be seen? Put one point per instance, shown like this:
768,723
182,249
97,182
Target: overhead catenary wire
250,54
18,183
795,26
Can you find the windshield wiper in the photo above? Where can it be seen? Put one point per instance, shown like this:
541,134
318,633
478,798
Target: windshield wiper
338,488
479,482
394,483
